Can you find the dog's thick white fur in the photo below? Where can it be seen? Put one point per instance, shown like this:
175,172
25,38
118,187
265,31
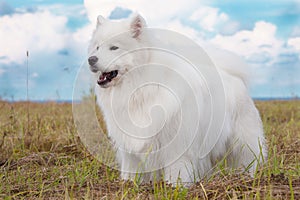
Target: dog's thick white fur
123,103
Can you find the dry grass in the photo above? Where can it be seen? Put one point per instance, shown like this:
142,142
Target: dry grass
44,159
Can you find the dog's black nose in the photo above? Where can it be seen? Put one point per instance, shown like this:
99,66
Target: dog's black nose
93,60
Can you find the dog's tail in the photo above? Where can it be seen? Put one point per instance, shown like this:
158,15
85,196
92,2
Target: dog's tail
229,62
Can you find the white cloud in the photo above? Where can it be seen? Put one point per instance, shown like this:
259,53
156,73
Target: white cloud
296,31
76,10
82,36
43,32
39,32
263,50
160,12
261,40
177,26
168,14
209,17
295,43
229,27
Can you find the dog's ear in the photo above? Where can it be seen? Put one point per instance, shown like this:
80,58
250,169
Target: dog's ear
136,26
100,20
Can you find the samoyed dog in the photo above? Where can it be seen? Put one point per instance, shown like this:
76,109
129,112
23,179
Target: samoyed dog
169,118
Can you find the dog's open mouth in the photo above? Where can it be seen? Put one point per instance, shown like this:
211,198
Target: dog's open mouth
107,77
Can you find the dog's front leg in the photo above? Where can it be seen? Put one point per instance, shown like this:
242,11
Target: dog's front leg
181,171
131,166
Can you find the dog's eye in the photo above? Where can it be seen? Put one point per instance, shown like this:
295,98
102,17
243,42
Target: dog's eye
113,48
97,48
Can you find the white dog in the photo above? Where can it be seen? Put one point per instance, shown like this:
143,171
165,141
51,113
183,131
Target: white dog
163,118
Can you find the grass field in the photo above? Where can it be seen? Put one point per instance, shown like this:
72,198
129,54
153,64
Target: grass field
43,159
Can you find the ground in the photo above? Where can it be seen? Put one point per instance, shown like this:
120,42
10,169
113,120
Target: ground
41,157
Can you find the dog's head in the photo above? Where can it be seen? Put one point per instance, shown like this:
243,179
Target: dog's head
114,48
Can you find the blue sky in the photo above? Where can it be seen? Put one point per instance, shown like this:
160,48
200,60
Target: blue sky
56,33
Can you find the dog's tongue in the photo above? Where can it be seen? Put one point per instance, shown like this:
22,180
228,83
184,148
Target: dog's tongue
107,77
103,77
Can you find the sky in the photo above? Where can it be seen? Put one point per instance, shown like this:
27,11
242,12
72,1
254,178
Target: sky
266,33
